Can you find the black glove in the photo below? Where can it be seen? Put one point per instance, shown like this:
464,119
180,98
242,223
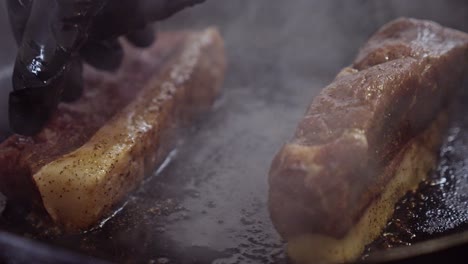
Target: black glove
53,37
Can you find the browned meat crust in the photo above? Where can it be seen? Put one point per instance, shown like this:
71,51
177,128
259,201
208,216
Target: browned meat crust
101,108
325,178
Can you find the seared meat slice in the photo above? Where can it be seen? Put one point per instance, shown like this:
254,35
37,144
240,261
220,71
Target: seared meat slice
367,138
93,152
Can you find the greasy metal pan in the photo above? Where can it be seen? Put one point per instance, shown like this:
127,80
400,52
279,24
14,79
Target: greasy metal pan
208,203
21,251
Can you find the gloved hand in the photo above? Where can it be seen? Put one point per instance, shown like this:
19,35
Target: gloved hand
53,38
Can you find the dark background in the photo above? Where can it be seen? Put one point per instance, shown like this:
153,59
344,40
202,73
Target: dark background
214,192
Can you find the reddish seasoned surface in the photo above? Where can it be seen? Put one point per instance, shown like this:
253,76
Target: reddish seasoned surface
401,79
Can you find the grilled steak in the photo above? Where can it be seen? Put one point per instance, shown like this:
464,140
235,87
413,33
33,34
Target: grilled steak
96,150
367,138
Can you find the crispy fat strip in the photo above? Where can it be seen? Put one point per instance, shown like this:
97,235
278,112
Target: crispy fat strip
80,186
367,139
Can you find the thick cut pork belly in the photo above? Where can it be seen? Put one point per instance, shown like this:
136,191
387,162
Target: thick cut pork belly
96,150
369,137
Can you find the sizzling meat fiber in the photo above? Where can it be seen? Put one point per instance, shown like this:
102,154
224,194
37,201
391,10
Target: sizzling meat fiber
367,138
96,150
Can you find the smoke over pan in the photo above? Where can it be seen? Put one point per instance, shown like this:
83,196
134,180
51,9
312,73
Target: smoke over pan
208,203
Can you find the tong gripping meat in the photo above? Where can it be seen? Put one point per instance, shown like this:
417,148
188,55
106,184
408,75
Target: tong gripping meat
53,37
